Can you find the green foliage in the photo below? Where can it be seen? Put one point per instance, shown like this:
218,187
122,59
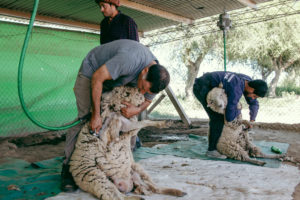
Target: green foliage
189,50
266,40
286,90
290,85
273,46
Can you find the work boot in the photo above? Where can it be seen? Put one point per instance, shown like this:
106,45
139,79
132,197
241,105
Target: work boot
215,154
67,182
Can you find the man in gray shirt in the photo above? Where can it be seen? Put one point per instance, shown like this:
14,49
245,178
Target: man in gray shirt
121,62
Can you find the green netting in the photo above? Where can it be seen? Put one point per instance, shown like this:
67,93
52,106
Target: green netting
51,64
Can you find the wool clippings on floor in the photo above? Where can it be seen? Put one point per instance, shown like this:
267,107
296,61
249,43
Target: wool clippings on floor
206,179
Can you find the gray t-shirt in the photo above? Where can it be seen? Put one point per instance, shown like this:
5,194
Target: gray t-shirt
124,59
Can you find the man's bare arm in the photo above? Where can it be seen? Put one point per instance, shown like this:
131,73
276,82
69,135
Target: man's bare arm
101,75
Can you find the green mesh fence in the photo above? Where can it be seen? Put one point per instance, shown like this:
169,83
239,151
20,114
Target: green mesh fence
51,64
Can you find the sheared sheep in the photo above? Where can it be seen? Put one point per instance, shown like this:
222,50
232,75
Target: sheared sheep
104,165
234,141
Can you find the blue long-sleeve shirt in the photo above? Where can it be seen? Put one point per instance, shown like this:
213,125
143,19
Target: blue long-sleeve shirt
234,85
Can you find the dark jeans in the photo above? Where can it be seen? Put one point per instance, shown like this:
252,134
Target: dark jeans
201,88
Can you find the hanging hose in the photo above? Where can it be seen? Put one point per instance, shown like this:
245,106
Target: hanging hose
224,24
224,41
20,69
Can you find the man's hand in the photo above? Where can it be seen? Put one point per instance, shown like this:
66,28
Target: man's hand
247,124
130,110
96,123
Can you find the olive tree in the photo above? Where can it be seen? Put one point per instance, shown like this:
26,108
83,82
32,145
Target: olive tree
192,52
273,46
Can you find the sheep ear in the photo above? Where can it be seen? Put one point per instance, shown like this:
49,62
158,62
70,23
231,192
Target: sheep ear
209,105
220,85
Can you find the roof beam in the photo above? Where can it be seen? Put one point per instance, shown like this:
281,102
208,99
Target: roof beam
249,3
26,15
156,12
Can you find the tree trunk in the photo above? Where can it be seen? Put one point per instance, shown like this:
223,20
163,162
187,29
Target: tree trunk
274,82
191,75
265,73
193,69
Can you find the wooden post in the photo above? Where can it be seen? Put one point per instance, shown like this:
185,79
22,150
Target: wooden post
177,106
142,115
162,96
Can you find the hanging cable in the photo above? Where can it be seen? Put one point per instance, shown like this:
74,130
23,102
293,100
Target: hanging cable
20,73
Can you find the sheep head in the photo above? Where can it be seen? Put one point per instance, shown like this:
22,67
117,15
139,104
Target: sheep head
217,99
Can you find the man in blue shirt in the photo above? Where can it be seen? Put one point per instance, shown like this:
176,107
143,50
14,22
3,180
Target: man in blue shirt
235,85
115,24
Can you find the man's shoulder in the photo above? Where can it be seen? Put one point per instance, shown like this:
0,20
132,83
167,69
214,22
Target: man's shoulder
245,77
125,17
104,21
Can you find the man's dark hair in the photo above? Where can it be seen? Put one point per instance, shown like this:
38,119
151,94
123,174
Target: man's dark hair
159,78
260,87
111,2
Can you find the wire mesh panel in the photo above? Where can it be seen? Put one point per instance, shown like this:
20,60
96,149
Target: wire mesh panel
51,64
53,59
181,56
282,109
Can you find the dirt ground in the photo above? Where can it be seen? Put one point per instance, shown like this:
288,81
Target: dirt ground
42,146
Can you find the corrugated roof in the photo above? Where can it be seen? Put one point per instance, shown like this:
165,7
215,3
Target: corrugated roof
164,12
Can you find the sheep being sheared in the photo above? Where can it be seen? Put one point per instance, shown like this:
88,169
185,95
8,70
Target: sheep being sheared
234,141
104,165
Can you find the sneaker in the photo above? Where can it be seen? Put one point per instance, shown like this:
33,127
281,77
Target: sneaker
215,154
68,185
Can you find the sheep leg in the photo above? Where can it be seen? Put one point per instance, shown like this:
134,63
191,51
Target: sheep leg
128,125
272,156
143,184
120,123
254,151
241,154
133,198
115,123
235,151
254,161
245,157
